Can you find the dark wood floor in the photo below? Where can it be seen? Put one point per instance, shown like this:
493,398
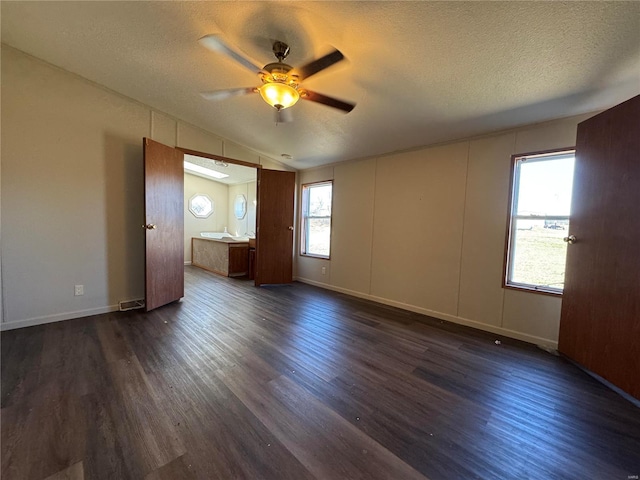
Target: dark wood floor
296,382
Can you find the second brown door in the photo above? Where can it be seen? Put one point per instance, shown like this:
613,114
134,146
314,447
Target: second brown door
600,320
274,249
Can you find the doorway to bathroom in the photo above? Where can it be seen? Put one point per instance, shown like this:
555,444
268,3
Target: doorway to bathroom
165,221
220,201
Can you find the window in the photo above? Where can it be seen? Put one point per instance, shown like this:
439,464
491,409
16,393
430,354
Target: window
200,205
316,219
539,221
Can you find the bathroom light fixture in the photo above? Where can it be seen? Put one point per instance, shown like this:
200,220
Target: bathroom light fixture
192,167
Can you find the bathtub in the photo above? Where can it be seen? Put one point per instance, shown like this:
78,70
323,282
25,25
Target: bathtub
225,235
217,235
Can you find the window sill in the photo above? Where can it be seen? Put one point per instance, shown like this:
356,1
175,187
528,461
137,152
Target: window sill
310,255
531,289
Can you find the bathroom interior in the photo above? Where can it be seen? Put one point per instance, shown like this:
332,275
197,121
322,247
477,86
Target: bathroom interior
220,200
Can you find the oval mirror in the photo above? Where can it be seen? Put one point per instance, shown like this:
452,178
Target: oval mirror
240,206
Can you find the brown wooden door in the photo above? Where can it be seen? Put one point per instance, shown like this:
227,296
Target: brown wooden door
274,247
600,320
164,222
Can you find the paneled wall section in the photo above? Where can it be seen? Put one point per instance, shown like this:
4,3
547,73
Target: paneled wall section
425,230
72,190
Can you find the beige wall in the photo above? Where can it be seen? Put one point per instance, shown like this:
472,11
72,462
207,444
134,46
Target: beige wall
425,230
273,164
216,222
248,223
233,150
72,198
308,267
422,229
252,200
352,224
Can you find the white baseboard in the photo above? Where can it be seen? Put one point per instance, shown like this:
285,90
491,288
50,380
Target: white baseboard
544,342
30,322
187,262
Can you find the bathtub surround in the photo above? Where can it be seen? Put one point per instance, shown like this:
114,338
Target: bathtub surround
225,256
72,165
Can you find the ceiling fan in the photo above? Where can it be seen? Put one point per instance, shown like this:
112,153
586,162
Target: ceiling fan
281,83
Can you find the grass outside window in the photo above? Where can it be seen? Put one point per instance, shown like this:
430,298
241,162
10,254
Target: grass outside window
540,207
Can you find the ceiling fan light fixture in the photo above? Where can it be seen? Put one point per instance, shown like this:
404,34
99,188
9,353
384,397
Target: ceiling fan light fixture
280,82
279,95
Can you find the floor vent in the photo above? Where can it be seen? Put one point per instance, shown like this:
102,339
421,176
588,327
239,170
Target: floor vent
131,305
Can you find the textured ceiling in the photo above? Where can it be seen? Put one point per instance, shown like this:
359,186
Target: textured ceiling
420,72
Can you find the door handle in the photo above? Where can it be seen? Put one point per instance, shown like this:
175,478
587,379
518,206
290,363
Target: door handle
571,239
291,228
150,226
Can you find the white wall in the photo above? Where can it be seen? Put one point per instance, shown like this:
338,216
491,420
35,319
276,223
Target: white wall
72,190
425,230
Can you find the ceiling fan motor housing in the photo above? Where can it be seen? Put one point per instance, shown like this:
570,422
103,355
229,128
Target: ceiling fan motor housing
280,50
279,72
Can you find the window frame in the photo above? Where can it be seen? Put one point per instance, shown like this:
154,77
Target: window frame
512,217
304,225
194,211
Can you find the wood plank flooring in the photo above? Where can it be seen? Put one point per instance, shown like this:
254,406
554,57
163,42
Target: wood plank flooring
296,382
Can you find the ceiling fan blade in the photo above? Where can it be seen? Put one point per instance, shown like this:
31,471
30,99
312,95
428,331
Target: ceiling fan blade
284,115
227,93
216,44
329,101
318,65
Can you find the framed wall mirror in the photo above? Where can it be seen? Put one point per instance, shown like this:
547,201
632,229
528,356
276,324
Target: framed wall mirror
240,206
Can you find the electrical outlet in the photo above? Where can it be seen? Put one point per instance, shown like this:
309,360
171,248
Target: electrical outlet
79,290
324,270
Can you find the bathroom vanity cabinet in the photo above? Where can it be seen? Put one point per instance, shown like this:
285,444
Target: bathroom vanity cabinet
223,256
